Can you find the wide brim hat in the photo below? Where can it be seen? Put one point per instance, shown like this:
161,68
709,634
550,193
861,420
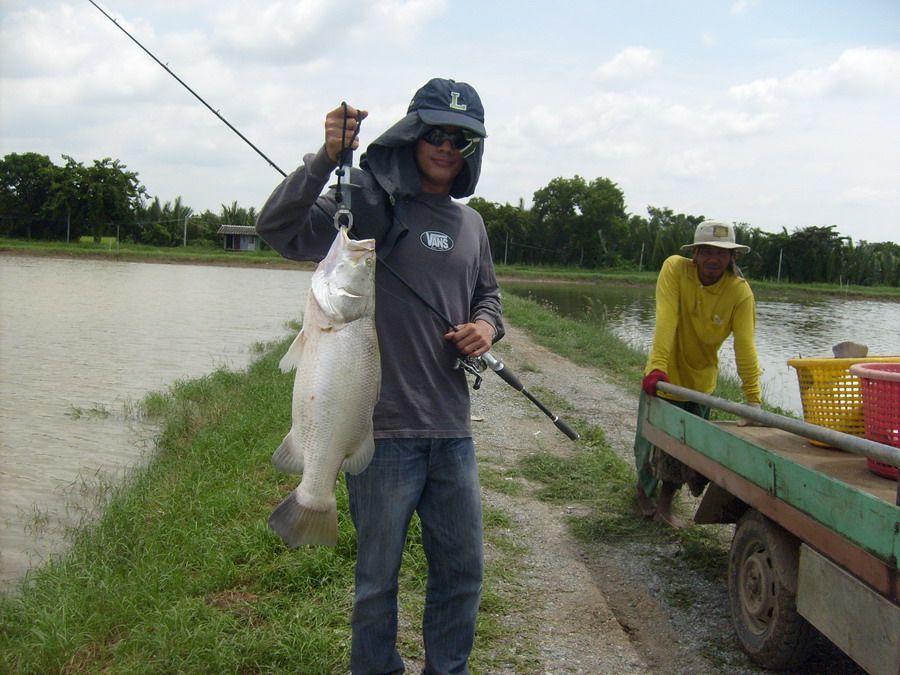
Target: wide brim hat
449,102
716,233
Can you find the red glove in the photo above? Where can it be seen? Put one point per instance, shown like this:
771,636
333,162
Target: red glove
648,384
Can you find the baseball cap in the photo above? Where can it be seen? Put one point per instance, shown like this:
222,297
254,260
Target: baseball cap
716,233
443,101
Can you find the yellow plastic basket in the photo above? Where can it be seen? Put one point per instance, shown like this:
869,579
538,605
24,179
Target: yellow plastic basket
831,395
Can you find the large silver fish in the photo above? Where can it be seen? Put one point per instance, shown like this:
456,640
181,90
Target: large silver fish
338,379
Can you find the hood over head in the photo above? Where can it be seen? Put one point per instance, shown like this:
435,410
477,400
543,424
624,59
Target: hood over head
391,156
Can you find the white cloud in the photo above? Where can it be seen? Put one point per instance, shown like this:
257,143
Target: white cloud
743,6
605,148
690,164
711,121
632,63
301,30
861,195
857,72
758,89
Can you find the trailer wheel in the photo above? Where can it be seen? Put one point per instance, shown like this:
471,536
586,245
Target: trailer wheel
762,587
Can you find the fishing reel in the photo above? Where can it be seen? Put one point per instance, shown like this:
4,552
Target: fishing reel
475,365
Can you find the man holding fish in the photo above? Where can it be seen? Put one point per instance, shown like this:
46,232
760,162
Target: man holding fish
434,262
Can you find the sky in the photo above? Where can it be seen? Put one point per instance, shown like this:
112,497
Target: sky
778,114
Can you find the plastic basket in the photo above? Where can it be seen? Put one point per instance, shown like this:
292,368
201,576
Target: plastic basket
880,387
830,395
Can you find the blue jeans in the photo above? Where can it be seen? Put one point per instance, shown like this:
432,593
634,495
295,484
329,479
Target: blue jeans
438,478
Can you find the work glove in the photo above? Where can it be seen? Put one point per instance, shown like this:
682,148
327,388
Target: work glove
648,384
744,422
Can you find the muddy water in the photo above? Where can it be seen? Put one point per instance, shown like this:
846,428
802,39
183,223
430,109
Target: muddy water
82,340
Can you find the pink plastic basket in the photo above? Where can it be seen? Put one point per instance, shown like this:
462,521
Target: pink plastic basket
880,388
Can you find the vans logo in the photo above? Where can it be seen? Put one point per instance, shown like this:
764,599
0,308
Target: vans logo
436,241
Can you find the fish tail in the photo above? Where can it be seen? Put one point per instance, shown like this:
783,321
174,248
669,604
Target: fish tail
297,524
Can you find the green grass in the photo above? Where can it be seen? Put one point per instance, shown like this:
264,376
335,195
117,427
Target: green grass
764,290
108,249
581,343
601,485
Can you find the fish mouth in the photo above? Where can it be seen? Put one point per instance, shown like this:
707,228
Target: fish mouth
357,245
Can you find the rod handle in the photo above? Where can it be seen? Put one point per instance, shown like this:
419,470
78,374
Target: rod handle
497,366
566,429
510,378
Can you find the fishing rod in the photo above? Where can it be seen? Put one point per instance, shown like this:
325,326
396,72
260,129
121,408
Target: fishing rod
196,95
475,365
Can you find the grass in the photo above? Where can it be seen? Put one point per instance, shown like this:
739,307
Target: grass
763,289
108,249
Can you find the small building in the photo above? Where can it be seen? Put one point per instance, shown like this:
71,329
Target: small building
239,237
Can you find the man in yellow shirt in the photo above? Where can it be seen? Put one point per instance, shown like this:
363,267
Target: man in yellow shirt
699,302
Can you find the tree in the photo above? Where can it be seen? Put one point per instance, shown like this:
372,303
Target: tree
583,222
508,228
108,193
814,254
26,184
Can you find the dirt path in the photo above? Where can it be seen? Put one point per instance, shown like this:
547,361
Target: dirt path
599,608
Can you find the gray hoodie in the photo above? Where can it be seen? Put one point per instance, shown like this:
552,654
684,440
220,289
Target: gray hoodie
436,245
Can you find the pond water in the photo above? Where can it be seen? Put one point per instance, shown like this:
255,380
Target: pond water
82,340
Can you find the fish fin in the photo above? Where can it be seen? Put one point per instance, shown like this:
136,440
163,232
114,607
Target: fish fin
359,459
297,524
292,356
288,457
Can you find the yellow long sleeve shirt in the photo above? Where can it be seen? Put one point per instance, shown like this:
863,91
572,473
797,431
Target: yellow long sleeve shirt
692,322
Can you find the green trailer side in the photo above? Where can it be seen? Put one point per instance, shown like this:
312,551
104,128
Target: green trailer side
812,521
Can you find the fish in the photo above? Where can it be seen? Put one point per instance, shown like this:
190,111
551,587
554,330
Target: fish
336,387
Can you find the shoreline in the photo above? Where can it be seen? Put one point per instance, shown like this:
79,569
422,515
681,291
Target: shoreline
762,289
164,259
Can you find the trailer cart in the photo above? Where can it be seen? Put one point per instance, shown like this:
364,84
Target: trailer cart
817,533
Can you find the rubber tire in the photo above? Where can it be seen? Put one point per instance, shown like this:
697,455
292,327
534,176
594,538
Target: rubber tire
762,594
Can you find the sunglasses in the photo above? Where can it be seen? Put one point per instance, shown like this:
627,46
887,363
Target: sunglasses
462,140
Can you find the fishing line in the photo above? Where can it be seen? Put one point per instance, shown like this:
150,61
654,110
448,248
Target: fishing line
476,365
196,95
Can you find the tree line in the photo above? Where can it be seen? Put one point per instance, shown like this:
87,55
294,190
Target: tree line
40,200
572,222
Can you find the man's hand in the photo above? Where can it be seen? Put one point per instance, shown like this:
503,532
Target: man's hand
744,422
648,384
336,138
472,339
